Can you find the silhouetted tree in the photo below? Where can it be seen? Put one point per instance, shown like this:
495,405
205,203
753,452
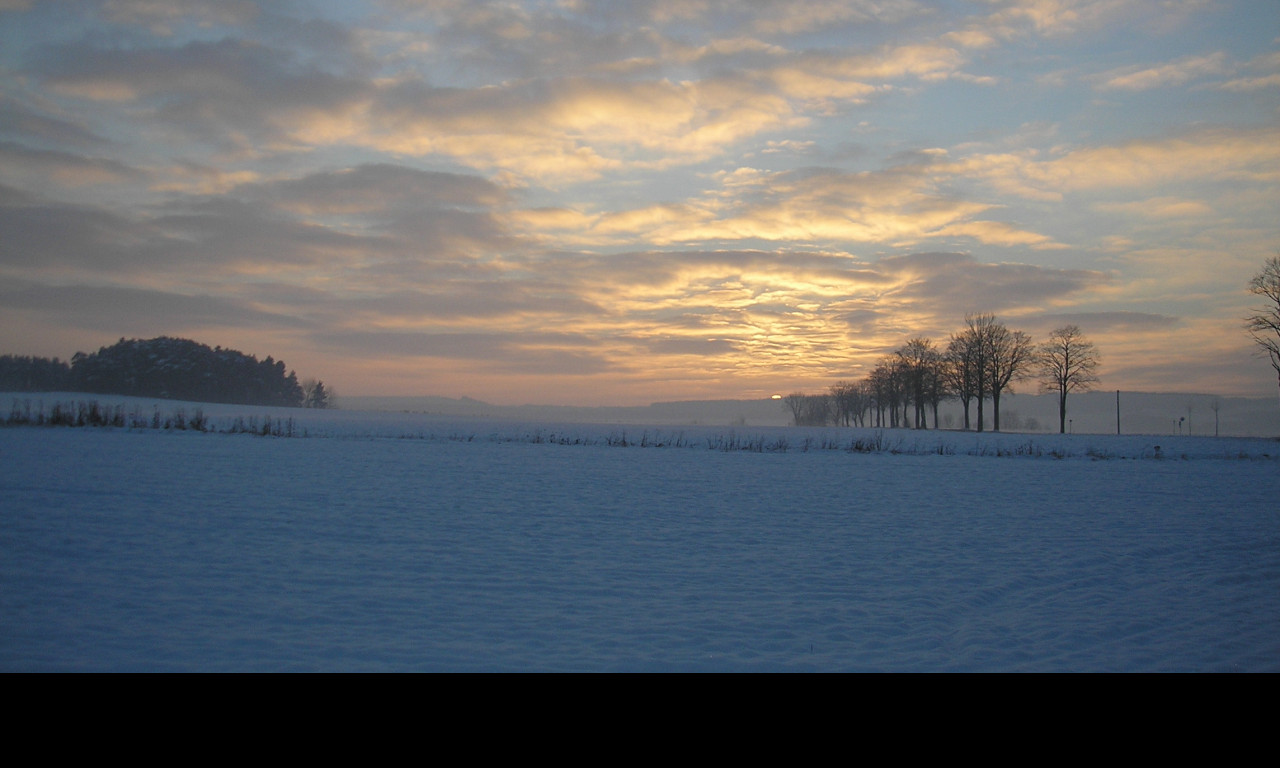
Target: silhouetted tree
794,402
977,344
33,374
1011,355
850,401
184,370
986,357
1264,324
1067,363
817,411
808,410
921,366
315,395
889,382
961,372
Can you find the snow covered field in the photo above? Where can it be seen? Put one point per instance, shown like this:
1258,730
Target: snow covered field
405,542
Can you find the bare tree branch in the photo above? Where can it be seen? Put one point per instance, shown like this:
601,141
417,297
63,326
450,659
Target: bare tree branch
1264,324
1068,363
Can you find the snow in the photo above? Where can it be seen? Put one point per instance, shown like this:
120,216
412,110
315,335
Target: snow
405,542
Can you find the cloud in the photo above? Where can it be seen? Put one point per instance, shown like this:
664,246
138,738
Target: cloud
229,93
130,311
30,125
900,205
379,189
451,193
1160,208
574,128
1180,72
52,239
362,226
162,16
250,96
1267,67
791,305
1252,83
791,17
1059,18
952,285
516,354
36,168
1208,154
1097,322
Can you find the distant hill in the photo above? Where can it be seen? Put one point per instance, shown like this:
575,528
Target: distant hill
1089,413
164,367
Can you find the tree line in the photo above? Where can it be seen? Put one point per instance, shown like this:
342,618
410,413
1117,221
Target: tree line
979,363
166,367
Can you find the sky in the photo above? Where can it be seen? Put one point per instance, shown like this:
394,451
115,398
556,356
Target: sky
617,203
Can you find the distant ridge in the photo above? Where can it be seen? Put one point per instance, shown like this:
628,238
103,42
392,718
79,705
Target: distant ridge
1089,413
704,412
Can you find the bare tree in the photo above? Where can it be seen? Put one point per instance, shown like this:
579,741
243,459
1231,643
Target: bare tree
1067,363
960,371
840,403
979,340
921,363
1264,324
862,399
849,402
794,402
808,410
316,395
1011,354
890,383
817,411
880,382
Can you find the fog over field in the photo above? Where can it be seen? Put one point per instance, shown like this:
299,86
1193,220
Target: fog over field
1089,412
386,541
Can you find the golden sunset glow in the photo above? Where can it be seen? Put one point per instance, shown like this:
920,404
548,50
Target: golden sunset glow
620,203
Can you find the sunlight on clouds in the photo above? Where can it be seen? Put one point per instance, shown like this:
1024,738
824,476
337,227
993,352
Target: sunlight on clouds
1060,17
1240,155
649,223
36,168
674,50
791,17
1252,83
575,129
549,220
793,312
972,38
892,63
578,128
862,207
194,180
1173,73
1161,208
819,89
568,198
161,16
891,207
329,126
1245,155
997,233
99,90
